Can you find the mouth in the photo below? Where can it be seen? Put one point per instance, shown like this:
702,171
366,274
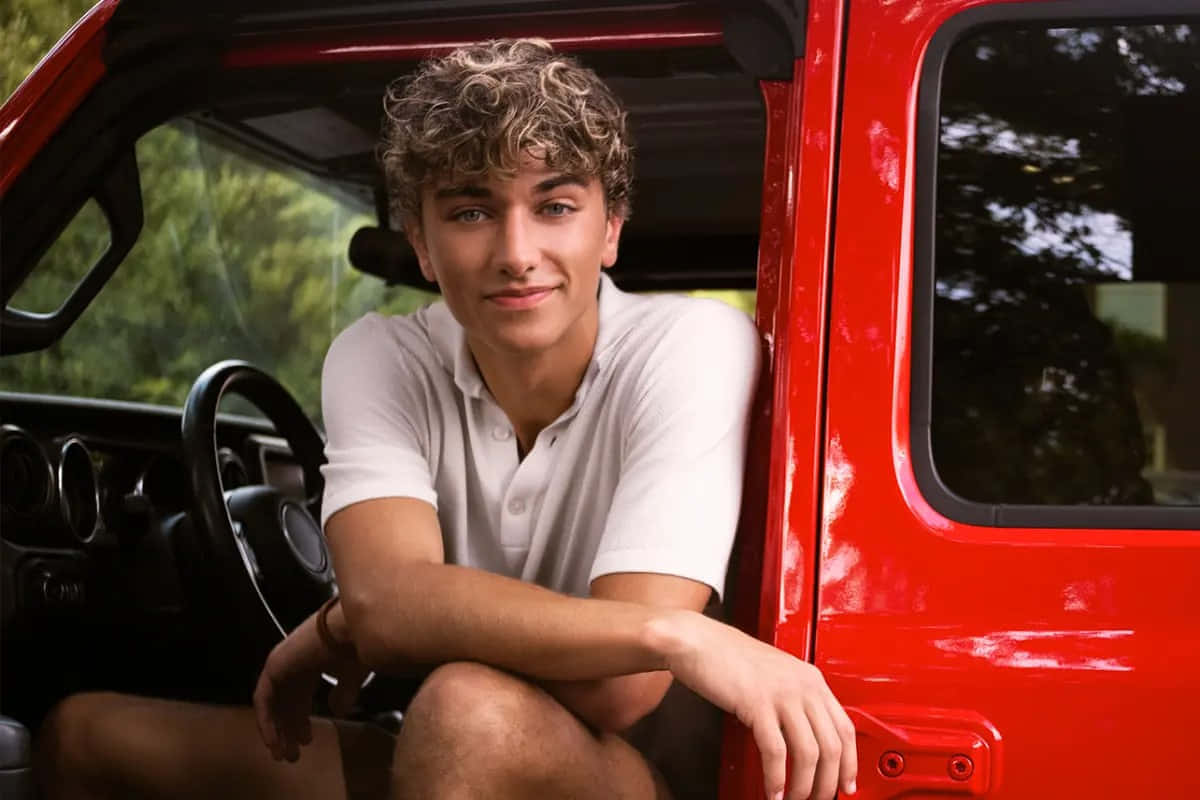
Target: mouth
522,298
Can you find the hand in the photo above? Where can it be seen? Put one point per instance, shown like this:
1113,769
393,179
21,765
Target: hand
784,701
284,694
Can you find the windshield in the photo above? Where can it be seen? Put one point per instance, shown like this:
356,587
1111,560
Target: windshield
237,259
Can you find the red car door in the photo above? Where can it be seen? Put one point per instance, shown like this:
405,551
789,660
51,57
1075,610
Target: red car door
1008,573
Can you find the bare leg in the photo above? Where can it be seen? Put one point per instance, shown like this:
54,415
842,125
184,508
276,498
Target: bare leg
117,746
473,731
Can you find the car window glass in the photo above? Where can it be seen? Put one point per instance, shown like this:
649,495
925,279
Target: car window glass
65,263
1066,320
238,258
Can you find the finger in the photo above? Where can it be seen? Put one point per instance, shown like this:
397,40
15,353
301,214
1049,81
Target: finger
848,772
825,777
288,735
291,751
262,714
304,730
772,749
300,710
802,747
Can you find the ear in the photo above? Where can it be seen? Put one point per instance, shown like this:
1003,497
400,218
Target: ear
612,237
416,237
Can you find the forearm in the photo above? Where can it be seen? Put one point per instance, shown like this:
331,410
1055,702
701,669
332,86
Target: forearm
612,704
436,613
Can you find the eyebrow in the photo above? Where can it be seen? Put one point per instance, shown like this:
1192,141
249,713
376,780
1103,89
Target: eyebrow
473,190
566,179
480,192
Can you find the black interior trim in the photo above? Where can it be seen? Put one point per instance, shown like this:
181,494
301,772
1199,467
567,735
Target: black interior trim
1071,13
141,422
79,159
120,197
765,37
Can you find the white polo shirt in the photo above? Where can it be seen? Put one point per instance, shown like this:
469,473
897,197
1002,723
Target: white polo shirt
643,473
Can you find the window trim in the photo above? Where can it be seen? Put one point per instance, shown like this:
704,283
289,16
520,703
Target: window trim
1071,13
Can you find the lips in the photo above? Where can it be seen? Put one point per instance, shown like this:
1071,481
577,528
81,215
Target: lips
522,298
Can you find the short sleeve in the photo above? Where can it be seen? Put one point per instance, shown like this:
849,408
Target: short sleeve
376,419
678,496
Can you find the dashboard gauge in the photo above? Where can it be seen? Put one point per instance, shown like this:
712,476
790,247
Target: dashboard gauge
26,475
78,490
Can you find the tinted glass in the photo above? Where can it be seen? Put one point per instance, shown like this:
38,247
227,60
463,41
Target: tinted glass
1066,357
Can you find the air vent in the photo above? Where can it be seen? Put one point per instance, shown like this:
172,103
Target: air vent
78,490
26,476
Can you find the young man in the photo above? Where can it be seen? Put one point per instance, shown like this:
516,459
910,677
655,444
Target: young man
532,487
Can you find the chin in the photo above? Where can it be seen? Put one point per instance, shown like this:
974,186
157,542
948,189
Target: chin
530,336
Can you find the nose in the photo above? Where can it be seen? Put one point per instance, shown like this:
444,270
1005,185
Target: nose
516,251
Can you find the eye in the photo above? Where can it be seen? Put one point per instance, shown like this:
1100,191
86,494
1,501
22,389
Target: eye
557,209
468,215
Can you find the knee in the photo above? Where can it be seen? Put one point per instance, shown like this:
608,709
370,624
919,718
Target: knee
473,703
68,745
484,720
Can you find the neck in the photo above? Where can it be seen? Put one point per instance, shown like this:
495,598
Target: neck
534,389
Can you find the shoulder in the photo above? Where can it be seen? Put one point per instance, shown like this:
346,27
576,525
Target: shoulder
383,361
376,341
692,330
685,364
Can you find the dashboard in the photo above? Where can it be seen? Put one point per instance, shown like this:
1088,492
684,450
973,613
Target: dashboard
85,483
99,580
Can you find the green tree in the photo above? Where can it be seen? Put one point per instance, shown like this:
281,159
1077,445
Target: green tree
238,258
28,29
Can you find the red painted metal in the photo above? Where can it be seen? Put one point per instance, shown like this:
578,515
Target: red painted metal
657,28
891,764
801,346
1079,646
52,91
756,556
792,290
945,752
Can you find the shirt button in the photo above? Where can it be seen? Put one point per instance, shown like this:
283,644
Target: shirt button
501,433
516,506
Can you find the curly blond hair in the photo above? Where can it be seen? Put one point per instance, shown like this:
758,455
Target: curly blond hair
475,111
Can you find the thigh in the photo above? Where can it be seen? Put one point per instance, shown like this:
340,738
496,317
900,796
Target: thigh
148,747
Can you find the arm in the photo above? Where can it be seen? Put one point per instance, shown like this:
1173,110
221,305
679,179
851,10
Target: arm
400,610
401,606
429,613
616,703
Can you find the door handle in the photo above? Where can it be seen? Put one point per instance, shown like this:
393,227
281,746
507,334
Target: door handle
916,749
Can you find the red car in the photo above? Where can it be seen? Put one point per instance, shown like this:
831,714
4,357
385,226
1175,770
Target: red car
967,230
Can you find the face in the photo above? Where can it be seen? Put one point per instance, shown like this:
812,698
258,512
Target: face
518,260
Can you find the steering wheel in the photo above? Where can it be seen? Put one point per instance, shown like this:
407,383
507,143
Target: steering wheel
265,549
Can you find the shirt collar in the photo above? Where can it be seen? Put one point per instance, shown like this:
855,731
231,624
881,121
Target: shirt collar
450,340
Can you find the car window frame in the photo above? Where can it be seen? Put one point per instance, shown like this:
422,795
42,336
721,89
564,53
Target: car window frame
1071,13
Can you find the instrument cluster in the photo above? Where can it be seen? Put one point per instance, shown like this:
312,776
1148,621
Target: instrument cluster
68,492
